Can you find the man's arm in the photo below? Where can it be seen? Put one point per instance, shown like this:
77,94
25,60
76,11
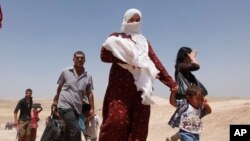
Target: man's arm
91,102
15,119
59,89
15,113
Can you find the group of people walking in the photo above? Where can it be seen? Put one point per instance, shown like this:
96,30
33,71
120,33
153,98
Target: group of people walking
27,122
126,106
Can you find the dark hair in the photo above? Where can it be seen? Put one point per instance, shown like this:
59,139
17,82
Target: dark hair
86,108
194,90
28,90
79,52
54,107
182,54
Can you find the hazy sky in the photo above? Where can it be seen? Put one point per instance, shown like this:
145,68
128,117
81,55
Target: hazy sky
39,37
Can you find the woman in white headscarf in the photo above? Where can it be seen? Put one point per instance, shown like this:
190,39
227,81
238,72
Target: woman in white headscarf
126,107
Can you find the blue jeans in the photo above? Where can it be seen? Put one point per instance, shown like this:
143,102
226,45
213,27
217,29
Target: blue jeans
187,136
72,127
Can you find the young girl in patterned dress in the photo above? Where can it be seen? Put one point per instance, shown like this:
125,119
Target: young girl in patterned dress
36,109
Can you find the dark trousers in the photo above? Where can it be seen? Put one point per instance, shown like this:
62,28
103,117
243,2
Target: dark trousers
72,128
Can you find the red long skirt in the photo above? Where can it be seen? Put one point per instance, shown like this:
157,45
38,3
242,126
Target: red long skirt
125,118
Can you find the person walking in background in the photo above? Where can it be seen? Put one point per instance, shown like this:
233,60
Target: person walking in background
54,130
135,66
186,62
74,85
22,123
54,114
8,126
36,109
188,116
92,124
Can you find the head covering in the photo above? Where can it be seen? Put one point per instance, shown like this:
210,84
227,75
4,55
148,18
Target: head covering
134,29
129,13
131,28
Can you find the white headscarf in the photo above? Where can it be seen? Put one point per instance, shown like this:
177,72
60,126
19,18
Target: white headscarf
135,53
131,28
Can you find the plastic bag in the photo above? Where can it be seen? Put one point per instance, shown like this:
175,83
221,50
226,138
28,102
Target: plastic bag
184,84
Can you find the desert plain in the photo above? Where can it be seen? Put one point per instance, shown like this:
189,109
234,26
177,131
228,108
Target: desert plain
226,111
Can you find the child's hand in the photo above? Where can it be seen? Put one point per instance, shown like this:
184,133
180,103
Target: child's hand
207,106
205,102
192,56
175,89
172,98
91,112
88,119
87,122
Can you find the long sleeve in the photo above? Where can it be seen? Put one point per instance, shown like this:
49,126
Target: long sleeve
186,70
164,75
186,67
108,57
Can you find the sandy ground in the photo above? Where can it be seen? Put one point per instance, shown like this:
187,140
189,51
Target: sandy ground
226,111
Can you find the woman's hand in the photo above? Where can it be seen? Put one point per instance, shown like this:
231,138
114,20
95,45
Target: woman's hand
175,89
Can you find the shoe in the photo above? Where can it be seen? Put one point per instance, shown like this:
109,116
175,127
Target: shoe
175,137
